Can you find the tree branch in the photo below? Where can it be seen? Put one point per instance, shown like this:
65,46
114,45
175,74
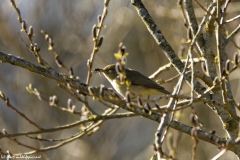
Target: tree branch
107,96
163,44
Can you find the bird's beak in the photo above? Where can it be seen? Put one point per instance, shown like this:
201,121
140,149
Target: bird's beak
98,70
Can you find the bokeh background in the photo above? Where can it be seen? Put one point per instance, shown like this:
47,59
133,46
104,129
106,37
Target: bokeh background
70,24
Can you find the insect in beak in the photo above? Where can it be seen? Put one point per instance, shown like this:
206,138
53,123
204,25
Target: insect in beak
98,70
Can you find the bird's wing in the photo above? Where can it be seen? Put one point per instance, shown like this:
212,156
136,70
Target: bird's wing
145,81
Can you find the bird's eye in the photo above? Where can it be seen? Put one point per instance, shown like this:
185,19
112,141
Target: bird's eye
109,71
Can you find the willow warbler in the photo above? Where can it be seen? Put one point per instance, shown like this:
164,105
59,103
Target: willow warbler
140,85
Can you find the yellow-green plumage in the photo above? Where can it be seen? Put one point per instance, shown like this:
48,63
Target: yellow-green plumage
140,84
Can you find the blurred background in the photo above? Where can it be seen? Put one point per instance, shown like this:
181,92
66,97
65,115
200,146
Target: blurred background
70,24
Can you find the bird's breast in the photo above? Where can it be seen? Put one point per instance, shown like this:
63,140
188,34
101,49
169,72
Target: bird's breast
120,88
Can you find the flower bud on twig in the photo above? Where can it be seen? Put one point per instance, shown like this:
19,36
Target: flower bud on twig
204,67
58,61
158,107
181,51
179,2
50,43
224,73
193,119
100,41
35,48
140,104
102,88
215,81
99,19
53,101
30,31
189,33
94,32
118,68
123,50
227,66
90,90
69,104
128,98
71,72
148,106
236,59
24,25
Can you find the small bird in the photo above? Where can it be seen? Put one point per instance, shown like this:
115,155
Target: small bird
140,85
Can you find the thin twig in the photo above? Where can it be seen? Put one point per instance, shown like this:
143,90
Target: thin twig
21,144
219,154
76,136
8,104
232,19
96,39
167,117
33,46
169,66
232,35
206,11
108,96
